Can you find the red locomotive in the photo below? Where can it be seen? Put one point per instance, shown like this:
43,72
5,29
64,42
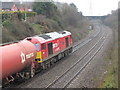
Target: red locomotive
23,59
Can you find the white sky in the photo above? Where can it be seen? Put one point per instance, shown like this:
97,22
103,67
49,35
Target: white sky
98,7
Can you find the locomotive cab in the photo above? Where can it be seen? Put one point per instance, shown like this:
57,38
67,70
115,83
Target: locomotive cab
38,48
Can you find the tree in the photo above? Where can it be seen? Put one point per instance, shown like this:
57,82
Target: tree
48,9
70,14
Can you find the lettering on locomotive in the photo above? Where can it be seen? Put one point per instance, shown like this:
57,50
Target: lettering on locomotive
55,45
29,55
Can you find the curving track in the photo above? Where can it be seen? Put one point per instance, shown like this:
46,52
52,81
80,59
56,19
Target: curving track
63,81
65,71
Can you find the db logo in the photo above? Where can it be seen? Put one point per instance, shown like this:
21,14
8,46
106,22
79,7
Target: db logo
22,57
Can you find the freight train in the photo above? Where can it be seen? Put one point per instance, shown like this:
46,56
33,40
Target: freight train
21,60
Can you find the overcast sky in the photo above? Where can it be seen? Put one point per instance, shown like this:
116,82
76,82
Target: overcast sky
90,7
94,7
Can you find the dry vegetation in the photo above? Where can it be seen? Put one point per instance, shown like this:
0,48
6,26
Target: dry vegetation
63,17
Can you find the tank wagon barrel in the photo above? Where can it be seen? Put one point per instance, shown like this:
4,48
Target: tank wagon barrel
15,57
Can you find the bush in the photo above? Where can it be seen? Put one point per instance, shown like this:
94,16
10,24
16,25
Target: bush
21,15
7,23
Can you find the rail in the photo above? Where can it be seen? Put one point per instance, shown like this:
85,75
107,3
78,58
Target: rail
57,80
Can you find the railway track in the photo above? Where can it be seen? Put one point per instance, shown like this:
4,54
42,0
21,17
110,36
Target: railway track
81,44
76,47
63,81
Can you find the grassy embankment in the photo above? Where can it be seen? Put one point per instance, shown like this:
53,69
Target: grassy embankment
110,79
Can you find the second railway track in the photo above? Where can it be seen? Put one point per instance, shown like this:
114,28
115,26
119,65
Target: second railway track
63,81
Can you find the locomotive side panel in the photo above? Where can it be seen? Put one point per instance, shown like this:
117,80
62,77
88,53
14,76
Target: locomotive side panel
56,45
62,43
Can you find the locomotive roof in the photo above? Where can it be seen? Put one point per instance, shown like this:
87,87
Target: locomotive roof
51,36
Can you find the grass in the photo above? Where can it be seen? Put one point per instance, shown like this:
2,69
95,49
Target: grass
79,35
37,28
110,79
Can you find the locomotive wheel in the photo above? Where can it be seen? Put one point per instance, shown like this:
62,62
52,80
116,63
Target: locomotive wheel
48,64
70,50
63,55
60,56
32,73
52,62
44,66
66,53
27,75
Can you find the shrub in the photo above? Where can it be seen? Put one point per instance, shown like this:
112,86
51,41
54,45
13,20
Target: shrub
7,23
21,15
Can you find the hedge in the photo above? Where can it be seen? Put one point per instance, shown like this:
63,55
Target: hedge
21,15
